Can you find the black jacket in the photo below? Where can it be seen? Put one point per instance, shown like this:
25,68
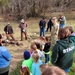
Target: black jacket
50,24
42,24
47,47
8,29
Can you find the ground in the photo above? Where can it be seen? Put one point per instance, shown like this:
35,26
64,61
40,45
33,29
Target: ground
33,31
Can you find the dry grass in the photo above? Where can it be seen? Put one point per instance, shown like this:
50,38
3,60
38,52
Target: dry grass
17,51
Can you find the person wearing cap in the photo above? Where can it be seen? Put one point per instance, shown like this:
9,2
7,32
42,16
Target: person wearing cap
27,60
23,27
62,21
9,31
54,31
5,58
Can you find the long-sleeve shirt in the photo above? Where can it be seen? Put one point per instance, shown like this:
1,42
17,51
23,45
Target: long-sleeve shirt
36,68
5,57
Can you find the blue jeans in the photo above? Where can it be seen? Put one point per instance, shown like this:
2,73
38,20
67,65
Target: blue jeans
67,70
62,25
42,32
47,58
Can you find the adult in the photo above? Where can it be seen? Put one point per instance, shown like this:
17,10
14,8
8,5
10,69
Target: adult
5,58
54,31
42,25
23,27
72,33
49,25
62,21
9,31
53,70
62,53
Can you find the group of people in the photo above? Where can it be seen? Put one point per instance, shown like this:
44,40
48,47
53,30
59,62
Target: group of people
62,55
50,24
36,60
42,25
9,30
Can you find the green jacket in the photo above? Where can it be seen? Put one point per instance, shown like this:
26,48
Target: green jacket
28,63
62,53
72,37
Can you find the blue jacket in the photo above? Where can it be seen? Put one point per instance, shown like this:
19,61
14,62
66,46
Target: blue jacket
5,57
36,68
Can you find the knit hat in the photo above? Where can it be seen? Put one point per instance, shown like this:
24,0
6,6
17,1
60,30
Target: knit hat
26,55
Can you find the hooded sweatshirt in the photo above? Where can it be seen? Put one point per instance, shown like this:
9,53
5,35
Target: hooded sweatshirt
72,37
62,53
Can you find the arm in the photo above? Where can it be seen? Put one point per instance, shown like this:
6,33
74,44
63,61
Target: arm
55,54
5,29
33,69
12,30
5,53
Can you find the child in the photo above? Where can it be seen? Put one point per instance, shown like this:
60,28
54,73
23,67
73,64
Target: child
36,64
34,48
25,70
47,50
43,67
53,70
39,46
28,60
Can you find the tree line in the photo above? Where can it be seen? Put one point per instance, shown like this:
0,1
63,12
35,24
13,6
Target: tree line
33,8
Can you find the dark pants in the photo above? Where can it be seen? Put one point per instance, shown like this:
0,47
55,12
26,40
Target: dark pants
10,35
6,73
42,32
47,58
49,27
23,34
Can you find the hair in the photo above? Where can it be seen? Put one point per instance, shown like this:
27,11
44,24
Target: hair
71,29
53,70
33,46
24,71
47,38
63,33
43,67
39,46
35,56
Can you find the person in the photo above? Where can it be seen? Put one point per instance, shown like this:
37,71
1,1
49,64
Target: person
43,67
38,45
49,25
72,33
62,21
54,31
9,31
25,70
27,60
47,50
62,53
34,48
5,58
36,64
53,70
42,25
23,27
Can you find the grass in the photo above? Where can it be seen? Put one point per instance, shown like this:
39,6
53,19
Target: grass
32,28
